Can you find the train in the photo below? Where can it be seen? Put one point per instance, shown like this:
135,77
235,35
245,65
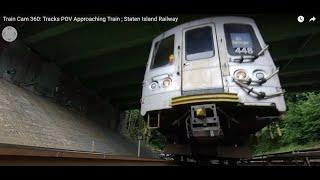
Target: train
209,85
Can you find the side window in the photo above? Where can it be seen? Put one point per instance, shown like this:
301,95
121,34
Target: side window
163,52
241,39
199,43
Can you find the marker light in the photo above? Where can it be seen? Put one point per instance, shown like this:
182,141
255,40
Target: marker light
166,82
153,85
240,75
259,75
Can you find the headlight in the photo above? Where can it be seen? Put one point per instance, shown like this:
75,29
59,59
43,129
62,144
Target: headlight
241,75
153,85
166,82
259,75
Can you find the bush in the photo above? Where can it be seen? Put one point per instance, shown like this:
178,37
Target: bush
136,126
301,125
302,121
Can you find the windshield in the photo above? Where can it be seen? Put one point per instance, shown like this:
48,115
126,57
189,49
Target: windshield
241,39
199,43
163,52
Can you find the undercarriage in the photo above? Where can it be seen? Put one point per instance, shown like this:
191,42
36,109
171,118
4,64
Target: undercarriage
206,131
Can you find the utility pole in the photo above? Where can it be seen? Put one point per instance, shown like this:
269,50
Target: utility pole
139,144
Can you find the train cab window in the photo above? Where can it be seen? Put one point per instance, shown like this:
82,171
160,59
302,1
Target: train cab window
241,39
199,43
163,52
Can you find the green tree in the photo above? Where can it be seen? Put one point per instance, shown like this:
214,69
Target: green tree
137,126
302,121
300,127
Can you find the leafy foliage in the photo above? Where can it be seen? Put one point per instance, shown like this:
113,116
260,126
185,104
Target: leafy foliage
136,126
303,120
300,127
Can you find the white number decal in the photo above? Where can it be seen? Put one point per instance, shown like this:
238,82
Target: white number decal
238,51
250,50
244,51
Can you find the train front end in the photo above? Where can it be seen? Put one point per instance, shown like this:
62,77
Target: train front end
211,82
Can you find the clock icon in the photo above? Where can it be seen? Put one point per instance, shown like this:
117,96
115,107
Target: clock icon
300,19
9,34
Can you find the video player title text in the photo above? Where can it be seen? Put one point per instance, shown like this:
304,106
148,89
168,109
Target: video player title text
89,18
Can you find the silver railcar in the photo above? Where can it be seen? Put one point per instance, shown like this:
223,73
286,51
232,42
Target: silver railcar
211,83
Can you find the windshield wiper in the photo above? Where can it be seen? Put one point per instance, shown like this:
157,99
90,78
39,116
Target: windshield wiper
260,52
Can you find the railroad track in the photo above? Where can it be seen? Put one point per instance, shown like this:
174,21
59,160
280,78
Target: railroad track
308,157
17,155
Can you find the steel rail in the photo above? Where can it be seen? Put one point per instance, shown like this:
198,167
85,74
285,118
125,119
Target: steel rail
13,155
307,157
